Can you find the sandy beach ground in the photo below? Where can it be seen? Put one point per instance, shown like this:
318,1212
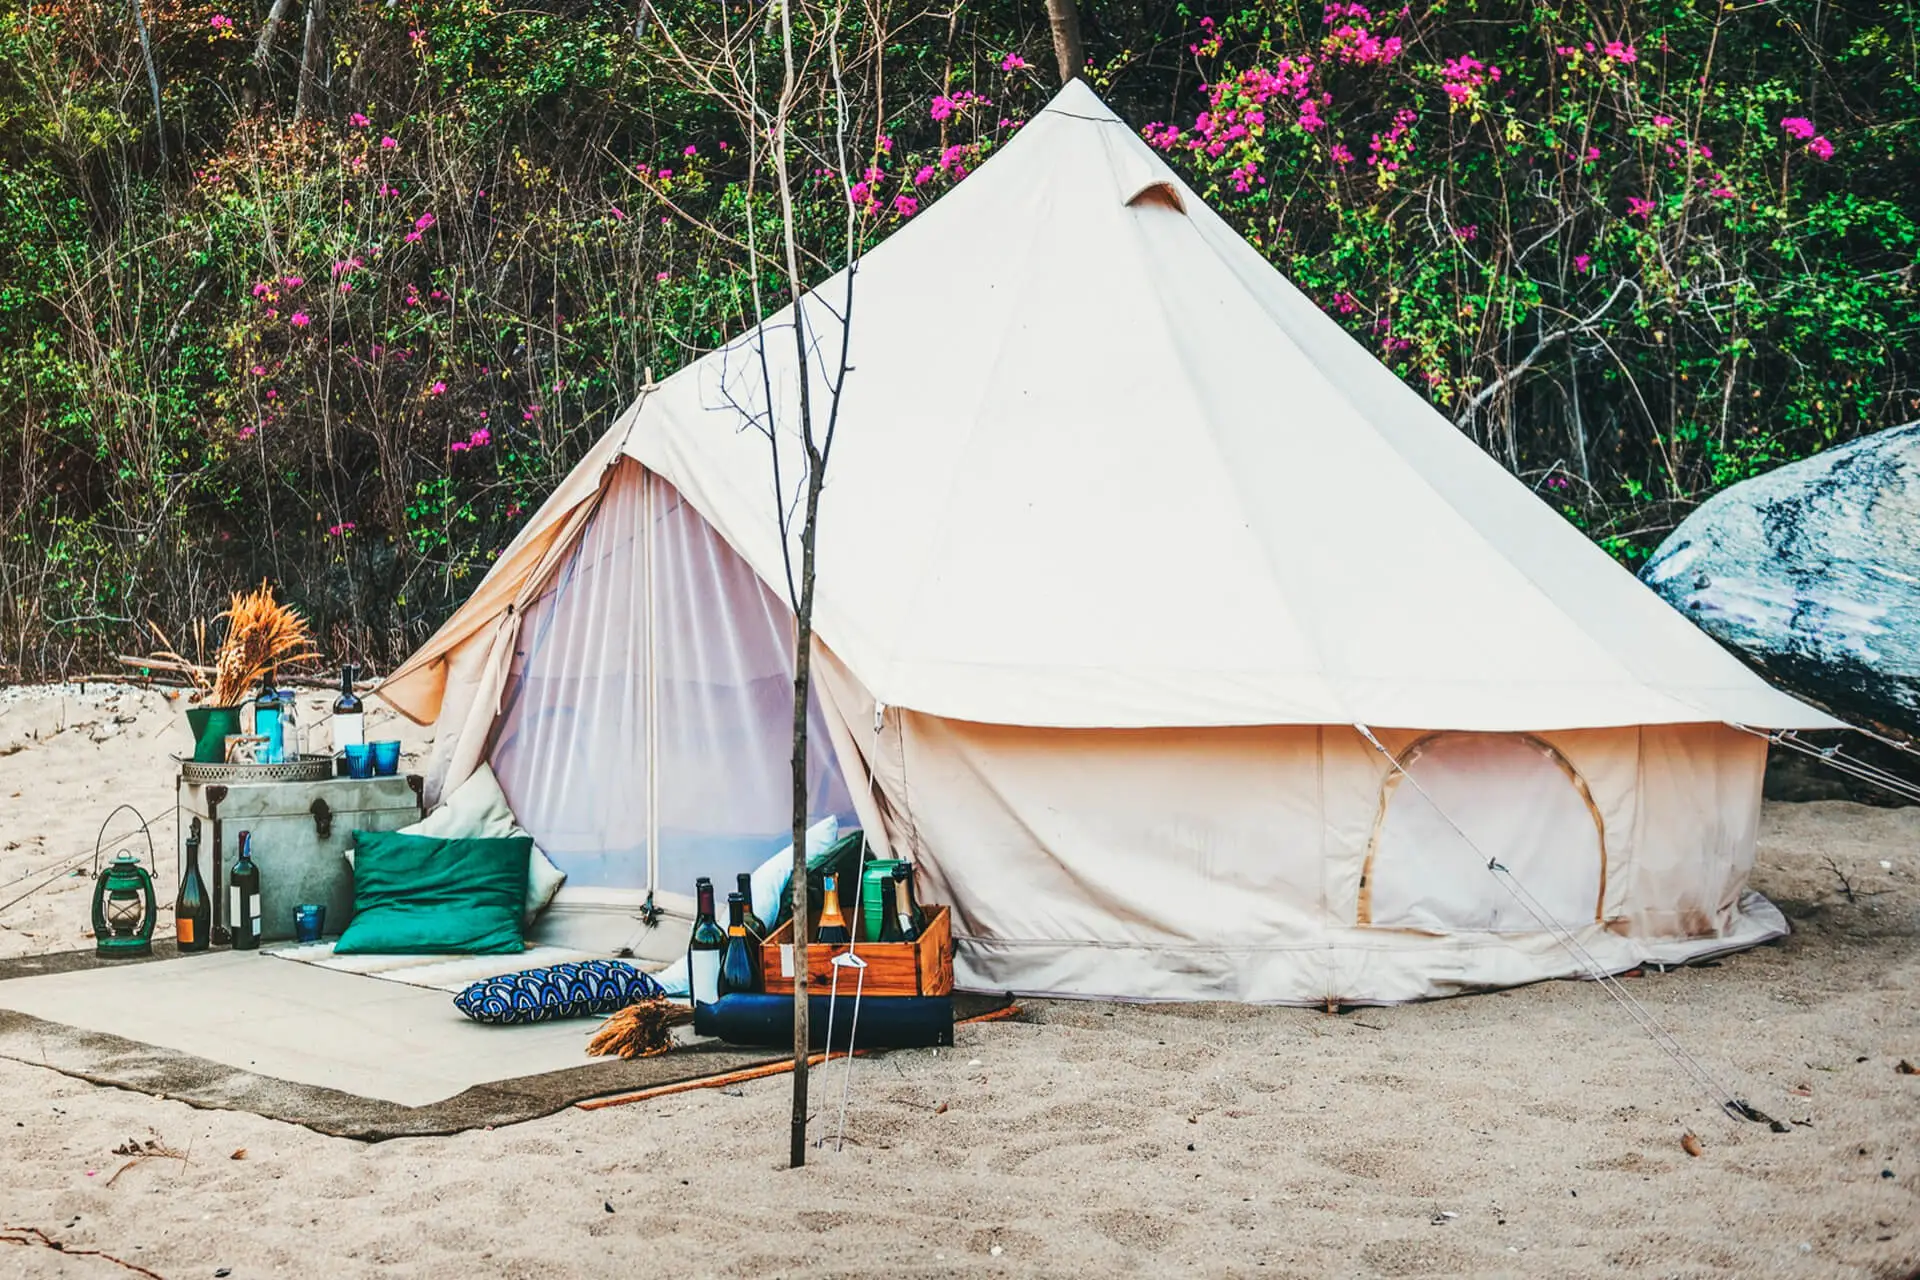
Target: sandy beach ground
1530,1133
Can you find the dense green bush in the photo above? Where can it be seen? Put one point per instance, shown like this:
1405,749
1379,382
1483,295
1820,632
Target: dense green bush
1637,257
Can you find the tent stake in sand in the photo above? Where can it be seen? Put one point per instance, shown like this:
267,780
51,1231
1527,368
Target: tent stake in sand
859,967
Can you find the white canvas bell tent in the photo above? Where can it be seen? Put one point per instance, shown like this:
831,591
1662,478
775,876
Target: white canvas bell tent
1128,557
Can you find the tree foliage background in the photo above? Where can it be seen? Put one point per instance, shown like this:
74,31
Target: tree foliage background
372,276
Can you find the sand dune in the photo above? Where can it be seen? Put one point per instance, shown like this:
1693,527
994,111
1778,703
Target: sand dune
1526,1134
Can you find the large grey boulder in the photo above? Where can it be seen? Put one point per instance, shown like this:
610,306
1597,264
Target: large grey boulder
1812,573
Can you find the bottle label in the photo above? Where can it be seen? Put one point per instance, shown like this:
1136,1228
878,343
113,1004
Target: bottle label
786,959
253,914
233,906
183,931
348,731
703,971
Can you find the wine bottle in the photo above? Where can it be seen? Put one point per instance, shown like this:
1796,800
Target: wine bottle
243,898
918,914
268,723
193,909
736,962
349,718
756,928
833,925
704,948
897,923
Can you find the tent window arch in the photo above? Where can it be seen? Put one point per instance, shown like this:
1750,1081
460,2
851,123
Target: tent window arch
1518,801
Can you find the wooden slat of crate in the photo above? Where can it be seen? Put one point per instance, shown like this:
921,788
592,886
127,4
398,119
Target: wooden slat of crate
923,967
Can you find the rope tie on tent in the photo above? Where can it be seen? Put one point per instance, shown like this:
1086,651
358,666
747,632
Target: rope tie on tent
1723,1097
1840,762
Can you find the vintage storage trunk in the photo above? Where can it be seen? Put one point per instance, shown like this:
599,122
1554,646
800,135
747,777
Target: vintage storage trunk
301,831
923,967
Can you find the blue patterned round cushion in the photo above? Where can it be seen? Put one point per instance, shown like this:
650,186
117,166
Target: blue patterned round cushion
558,991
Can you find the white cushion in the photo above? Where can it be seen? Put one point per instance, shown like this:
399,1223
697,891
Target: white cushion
478,809
770,877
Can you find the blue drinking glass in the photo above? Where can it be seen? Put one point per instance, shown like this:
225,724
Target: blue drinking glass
386,758
359,760
309,921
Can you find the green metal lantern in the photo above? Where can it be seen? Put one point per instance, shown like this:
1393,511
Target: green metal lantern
123,906
123,910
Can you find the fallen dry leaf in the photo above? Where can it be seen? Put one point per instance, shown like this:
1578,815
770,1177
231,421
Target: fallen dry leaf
1801,1091
1690,1144
940,1110
241,1154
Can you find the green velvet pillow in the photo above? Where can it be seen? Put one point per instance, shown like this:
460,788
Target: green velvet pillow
424,895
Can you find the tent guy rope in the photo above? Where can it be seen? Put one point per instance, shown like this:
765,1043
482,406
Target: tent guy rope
1723,1097
1839,761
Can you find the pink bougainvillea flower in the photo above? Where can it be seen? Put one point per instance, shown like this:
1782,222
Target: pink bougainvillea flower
388,144
1798,128
245,433
258,371
1340,154
1013,62
437,389
923,177
300,320
1661,122
1467,233
1821,147
358,121
691,150
883,142
459,446
1639,208
220,22
663,275
260,290
1621,52
665,174
424,221
1581,261
905,205
294,282
342,529
479,436
618,214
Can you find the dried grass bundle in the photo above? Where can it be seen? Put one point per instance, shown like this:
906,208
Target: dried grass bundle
642,1030
261,634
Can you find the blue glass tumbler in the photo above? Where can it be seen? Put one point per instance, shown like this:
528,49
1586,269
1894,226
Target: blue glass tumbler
359,760
309,921
386,758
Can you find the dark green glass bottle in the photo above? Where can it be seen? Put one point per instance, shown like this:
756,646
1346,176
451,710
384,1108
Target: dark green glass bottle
737,970
705,947
833,930
903,920
243,898
756,928
193,909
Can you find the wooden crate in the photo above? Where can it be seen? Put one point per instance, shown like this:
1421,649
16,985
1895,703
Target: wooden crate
923,967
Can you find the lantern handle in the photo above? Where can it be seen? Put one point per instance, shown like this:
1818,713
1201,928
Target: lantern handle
145,829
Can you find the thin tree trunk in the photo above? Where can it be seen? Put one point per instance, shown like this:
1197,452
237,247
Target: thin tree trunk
263,49
313,60
1069,51
153,82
